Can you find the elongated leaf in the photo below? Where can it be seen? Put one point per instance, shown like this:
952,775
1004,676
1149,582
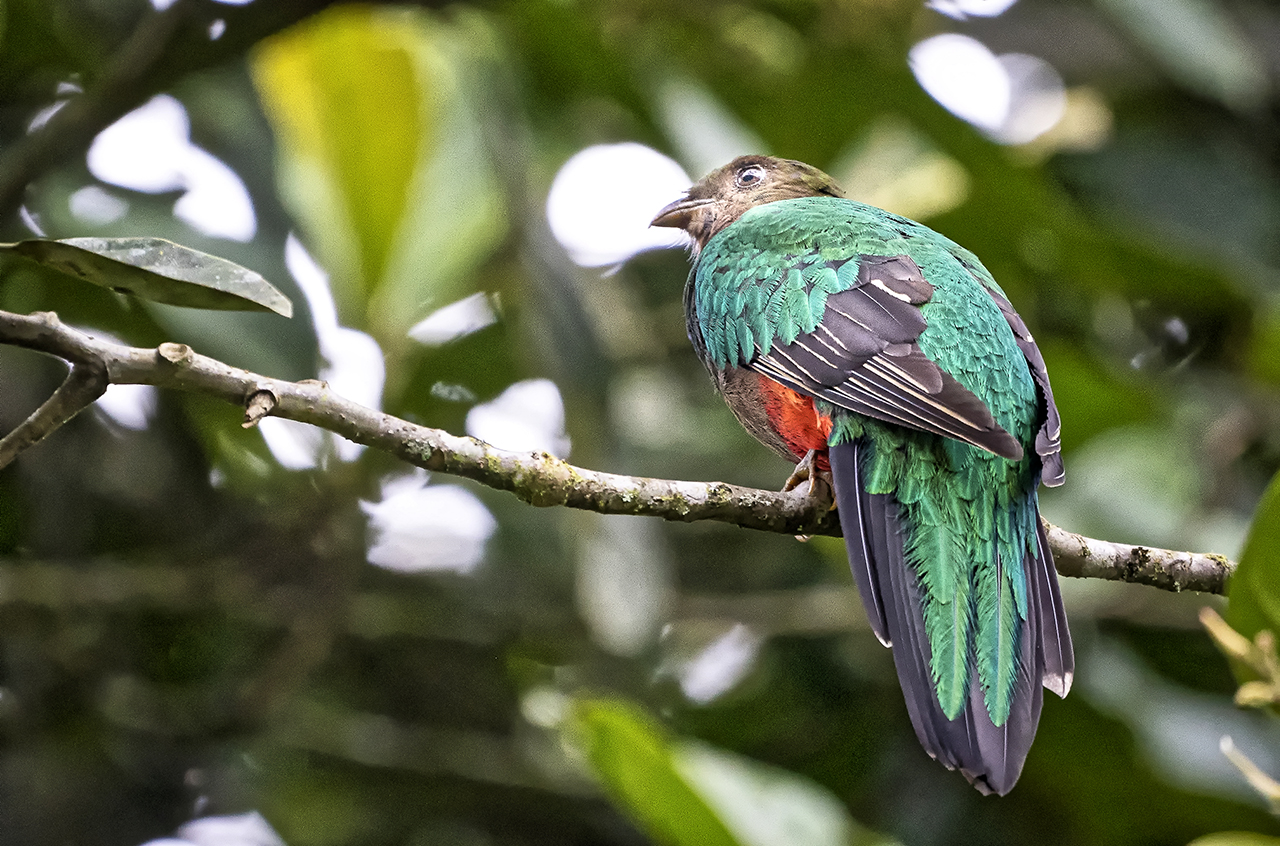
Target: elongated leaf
1200,45
632,759
158,270
768,806
1235,838
1254,591
351,98
685,793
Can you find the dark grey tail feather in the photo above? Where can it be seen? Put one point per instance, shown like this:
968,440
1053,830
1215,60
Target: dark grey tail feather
878,558
951,742
990,757
856,537
1059,657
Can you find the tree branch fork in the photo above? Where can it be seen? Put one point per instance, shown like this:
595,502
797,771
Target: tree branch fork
537,478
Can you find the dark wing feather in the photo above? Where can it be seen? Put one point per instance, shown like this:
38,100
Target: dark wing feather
863,357
989,756
1059,656
1049,438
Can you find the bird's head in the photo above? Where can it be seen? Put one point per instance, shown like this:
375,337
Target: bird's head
724,194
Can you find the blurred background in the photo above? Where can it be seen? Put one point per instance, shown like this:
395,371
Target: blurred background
286,638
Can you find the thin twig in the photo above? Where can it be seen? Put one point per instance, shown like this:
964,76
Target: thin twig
84,384
1268,787
542,479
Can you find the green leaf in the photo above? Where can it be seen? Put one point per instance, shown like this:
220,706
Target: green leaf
632,758
1235,838
1200,45
767,806
686,792
349,95
1264,352
158,270
1254,590
383,158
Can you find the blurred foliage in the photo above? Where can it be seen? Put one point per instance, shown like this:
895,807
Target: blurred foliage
1255,589
1235,838
188,628
689,793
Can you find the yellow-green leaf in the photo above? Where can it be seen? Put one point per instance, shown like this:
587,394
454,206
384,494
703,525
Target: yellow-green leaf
382,117
1235,838
350,95
631,757
687,793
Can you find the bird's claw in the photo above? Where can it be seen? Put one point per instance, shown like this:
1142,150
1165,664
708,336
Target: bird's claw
821,486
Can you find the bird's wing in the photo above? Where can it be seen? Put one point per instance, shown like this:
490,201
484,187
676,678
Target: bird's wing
1049,438
856,346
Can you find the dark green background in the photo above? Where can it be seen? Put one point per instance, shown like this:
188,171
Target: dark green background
169,646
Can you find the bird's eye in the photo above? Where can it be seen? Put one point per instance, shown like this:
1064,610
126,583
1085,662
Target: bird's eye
749,176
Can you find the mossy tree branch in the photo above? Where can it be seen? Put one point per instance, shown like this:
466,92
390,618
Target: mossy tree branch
539,479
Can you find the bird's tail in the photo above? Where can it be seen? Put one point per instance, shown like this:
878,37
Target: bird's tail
989,756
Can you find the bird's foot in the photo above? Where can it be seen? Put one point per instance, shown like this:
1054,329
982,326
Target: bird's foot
821,486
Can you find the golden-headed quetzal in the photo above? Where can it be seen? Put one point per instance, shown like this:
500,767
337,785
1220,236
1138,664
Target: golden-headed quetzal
853,340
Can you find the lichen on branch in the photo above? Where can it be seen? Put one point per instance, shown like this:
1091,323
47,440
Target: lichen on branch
537,478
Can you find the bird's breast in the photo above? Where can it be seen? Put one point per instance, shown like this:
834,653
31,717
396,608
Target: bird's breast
783,420
796,420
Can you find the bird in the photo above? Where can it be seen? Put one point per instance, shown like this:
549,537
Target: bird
875,352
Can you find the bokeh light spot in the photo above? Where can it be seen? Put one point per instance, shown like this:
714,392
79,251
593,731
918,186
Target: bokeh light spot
150,150
1013,98
419,527
720,666
961,9
354,369
454,321
93,204
526,417
603,198
130,406
964,76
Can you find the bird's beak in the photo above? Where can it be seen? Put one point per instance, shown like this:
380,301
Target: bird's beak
679,215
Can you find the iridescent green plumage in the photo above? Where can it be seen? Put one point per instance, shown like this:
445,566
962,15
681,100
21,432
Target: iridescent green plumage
940,425
765,280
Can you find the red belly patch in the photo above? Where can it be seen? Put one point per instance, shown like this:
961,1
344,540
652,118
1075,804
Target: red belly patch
795,418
